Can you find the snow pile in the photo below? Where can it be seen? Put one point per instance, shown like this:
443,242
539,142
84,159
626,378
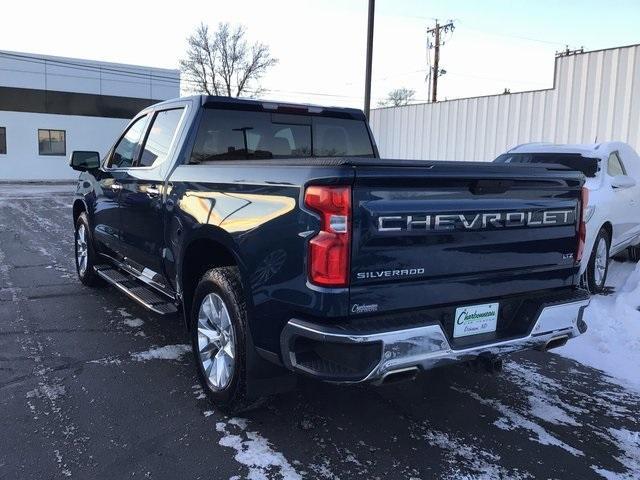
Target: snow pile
612,342
168,352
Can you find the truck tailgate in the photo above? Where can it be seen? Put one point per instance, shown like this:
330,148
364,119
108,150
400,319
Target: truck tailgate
448,233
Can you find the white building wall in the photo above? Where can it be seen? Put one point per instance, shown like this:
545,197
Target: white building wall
596,97
22,161
83,132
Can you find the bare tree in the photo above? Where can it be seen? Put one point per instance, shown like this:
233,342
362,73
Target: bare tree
223,62
398,97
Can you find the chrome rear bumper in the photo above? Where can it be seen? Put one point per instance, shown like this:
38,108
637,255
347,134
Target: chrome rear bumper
425,346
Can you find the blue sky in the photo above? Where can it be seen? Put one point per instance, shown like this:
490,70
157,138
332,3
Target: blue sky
321,44
596,24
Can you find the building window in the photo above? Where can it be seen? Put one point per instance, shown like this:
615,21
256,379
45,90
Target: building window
52,142
3,141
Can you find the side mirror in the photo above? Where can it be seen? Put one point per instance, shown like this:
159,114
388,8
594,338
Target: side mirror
622,181
83,161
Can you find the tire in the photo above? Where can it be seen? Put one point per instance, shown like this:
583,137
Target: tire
85,254
218,328
598,266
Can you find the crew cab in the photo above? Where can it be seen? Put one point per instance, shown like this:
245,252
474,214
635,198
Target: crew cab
289,247
612,215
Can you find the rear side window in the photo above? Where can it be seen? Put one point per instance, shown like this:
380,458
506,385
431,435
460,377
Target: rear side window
337,137
163,129
615,166
127,149
3,141
244,135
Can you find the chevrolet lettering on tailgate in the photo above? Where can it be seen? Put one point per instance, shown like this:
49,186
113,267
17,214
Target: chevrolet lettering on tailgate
476,221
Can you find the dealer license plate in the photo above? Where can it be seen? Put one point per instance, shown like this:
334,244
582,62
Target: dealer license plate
475,319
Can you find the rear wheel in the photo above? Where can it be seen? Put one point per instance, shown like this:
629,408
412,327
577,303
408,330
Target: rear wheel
598,266
218,337
85,253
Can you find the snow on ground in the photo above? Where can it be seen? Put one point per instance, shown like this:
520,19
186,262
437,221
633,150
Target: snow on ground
612,341
629,443
254,451
544,401
512,420
133,322
168,352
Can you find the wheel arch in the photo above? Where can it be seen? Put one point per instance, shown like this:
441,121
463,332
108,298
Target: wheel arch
609,228
79,206
209,248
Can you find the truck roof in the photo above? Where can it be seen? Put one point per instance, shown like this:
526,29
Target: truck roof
272,106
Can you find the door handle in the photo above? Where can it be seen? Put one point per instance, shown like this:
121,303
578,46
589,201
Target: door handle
115,186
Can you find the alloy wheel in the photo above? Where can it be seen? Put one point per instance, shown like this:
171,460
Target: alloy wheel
601,262
216,342
82,253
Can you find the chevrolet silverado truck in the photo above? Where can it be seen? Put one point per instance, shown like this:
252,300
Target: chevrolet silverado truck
289,247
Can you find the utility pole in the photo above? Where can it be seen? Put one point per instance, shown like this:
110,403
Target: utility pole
437,43
567,52
367,80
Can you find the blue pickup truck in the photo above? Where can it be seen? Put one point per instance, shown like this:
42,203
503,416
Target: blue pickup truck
289,247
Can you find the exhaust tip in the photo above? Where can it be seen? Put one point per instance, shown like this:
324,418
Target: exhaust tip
400,375
556,342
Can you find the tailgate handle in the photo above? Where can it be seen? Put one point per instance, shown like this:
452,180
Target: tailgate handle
484,187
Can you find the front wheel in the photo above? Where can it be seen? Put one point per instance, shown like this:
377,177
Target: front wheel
218,337
85,253
598,266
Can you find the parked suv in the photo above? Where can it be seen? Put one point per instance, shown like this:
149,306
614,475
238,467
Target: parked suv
612,215
288,246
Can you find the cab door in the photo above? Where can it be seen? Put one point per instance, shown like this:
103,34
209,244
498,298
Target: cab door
142,195
106,218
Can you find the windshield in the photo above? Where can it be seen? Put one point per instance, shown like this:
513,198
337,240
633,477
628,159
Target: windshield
245,135
574,161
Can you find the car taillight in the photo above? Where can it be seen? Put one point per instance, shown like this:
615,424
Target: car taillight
329,249
582,225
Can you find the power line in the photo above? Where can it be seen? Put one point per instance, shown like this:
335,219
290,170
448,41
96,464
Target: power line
508,35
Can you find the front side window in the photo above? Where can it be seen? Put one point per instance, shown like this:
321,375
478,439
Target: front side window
126,150
52,142
3,141
156,146
615,166
244,135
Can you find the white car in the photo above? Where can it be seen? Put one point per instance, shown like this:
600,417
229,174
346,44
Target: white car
612,171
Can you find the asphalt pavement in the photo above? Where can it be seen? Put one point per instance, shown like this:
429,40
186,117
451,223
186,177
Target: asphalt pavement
93,386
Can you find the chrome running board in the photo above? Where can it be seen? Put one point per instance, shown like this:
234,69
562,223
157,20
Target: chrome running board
136,290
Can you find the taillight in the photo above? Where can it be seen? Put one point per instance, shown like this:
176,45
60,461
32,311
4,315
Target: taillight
582,225
329,249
